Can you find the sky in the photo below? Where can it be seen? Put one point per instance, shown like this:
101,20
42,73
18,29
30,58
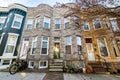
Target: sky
31,3
34,3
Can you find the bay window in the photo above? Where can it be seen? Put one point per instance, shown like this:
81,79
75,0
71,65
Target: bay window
17,21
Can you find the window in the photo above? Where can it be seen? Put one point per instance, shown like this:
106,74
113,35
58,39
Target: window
34,45
57,23
31,64
43,64
11,43
86,25
46,24
114,48
57,39
37,22
118,42
29,24
8,19
102,45
114,24
97,24
1,37
79,44
17,21
2,22
76,21
45,44
5,62
67,22
68,45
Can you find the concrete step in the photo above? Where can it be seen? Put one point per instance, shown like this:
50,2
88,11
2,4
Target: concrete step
56,67
56,60
56,64
56,70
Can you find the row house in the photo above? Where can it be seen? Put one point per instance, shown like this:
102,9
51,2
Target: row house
12,20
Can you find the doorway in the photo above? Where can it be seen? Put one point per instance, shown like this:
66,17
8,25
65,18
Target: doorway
56,50
90,49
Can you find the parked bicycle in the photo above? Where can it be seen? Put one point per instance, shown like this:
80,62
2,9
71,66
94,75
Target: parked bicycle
18,65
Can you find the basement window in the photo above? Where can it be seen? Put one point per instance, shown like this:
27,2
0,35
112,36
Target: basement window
43,64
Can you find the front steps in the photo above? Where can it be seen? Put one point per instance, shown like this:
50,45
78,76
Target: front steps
97,67
56,65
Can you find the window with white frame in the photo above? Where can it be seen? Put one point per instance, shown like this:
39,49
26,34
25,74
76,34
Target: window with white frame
1,37
67,22
37,22
2,22
86,25
46,23
76,21
8,18
97,24
29,24
45,44
103,48
34,45
68,44
114,24
11,43
43,64
17,21
79,44
5,62
114,48
31,64
57,23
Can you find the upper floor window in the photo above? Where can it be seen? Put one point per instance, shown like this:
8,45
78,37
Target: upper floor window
67,22
86,25
76,21
46,24
114,24
17,21
1,37
44,47
57,23
29,24
97,24
34,45
2,21
37,22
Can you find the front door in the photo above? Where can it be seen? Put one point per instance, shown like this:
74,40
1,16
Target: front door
56,50
90,50
24,48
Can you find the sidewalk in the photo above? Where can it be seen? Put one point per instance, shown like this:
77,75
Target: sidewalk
56,76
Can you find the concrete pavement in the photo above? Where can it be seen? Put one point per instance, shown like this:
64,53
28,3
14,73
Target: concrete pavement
56,76
22,76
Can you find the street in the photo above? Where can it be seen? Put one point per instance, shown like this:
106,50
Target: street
56,76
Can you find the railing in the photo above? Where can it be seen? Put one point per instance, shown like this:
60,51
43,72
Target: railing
106,64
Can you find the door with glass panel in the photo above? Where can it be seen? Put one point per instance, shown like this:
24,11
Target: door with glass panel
90,50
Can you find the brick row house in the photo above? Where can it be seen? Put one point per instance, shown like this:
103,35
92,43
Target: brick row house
12,19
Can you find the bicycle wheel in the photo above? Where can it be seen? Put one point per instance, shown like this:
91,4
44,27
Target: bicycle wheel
13,69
